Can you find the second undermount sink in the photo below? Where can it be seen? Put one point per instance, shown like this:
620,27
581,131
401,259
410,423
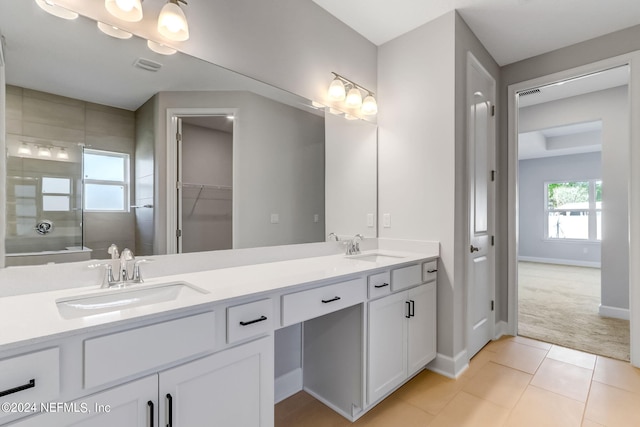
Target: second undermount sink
375,257
120,299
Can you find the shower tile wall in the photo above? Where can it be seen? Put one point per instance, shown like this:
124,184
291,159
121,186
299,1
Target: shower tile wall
33,117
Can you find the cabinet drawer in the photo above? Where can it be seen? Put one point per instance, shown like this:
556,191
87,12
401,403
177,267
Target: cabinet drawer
112,357
405,277
249,320
300,306
379,284
430,271
32,377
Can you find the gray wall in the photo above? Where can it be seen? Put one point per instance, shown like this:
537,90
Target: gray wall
533,174
278,168
611,107
146,121
422,139
207,158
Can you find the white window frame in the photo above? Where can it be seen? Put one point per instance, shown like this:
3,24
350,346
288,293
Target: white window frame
125,183
592,209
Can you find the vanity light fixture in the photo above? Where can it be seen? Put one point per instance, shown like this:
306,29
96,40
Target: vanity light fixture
113,31
24,149
160,48
59,11
353,98
172,22
127,10
335,111
350,117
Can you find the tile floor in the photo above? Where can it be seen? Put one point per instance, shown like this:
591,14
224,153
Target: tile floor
512,382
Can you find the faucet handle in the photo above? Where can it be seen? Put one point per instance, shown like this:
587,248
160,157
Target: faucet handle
107,279
113,251
137,277
333,236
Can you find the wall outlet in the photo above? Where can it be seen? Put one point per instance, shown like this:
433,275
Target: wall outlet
370,220
316,218
275,218
386,220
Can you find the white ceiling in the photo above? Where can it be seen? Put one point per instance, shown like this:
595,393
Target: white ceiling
511,30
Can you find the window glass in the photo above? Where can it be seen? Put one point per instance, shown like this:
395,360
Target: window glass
574,210
56,203
104,166
101,197
106,181
56,185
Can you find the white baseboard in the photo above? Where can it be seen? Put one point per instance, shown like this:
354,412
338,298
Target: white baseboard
576,263
288,384
501,328
450,367
615,312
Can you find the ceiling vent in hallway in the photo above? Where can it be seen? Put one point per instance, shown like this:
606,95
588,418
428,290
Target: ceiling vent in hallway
147,64
529,92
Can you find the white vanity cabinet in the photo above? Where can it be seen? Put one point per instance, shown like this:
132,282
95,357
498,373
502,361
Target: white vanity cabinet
402,335
232,388
128,405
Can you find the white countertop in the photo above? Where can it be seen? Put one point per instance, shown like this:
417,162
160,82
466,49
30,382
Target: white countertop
34,317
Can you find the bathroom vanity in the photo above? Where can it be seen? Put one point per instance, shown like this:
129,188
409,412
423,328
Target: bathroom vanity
198,348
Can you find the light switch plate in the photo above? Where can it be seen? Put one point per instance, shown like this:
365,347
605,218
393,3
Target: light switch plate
316,218
370,220
386,220
275,218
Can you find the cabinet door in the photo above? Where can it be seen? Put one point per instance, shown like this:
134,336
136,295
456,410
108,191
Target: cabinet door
421,327
129,405
233,388
387,344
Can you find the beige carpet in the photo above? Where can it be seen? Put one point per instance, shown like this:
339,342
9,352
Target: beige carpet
559,304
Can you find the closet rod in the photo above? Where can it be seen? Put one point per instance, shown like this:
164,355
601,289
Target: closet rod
207,186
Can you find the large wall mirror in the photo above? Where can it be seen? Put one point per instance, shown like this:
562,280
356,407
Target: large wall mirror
89,156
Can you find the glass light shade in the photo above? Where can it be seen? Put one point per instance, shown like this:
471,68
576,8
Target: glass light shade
335,111
112,31
44,152
350,117
52,8
62,154
172,23
127,10
369,105
354,98
337,91
24,149
160,48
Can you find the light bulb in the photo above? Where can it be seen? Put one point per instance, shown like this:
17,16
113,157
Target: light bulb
24,149
127,10
172,22
369,105
62,154
44,152
354,98
337,91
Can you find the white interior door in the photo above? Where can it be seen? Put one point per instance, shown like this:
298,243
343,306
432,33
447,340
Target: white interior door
178,186
481,159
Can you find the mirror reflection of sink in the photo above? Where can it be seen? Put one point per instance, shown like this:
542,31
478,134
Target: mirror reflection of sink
375,257
121,299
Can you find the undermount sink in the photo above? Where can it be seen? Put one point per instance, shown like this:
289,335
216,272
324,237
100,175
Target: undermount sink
375,257
121,299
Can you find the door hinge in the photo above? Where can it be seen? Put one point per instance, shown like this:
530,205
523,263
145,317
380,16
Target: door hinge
179,137
493,110
493,175
493,240
178,233
492,304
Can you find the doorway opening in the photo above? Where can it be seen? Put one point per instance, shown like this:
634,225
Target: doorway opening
572,266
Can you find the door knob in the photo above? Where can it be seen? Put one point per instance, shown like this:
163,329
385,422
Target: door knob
473,249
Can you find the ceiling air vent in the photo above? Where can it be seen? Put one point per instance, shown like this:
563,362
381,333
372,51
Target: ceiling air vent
529,92
147,64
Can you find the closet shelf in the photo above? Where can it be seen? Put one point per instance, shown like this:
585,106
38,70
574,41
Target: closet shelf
206,186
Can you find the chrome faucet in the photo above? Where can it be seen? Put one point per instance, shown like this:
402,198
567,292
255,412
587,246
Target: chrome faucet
333,236
123,277
353,246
